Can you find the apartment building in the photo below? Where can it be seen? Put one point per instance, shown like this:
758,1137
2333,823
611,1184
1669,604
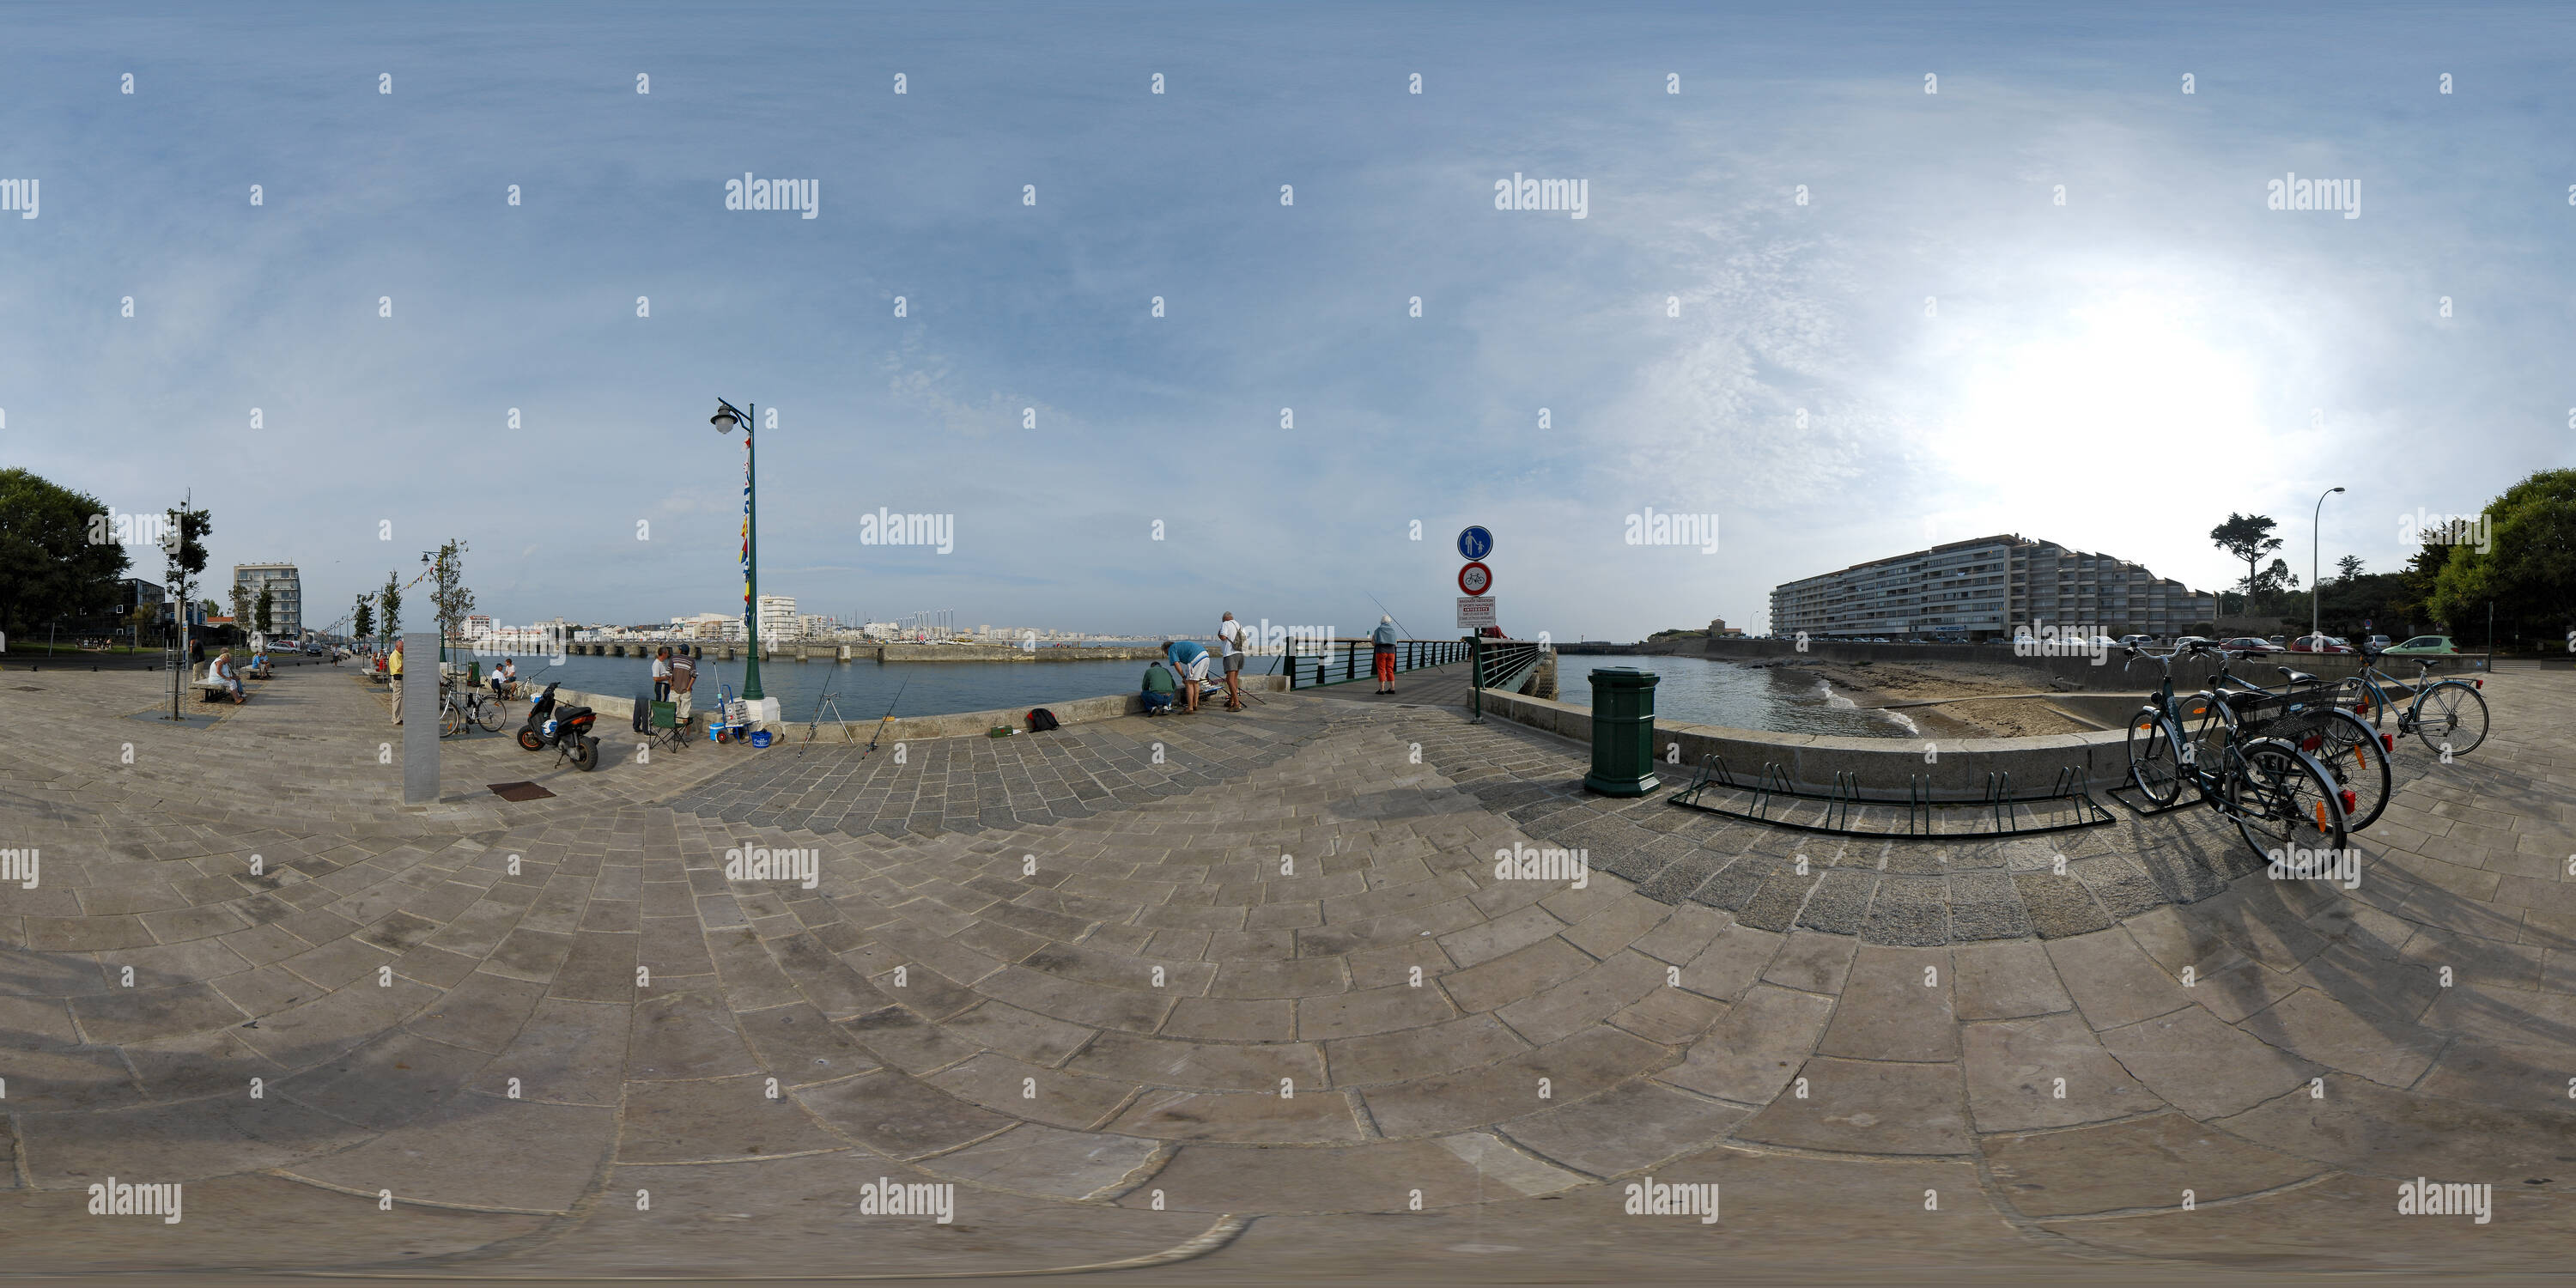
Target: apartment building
1985,588
778,618
285,593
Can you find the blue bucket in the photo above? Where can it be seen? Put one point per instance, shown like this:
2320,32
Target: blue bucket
760,737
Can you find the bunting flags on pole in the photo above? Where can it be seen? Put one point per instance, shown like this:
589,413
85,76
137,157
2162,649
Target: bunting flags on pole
746,529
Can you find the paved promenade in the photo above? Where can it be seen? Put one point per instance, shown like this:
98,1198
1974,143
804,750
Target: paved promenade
1240,997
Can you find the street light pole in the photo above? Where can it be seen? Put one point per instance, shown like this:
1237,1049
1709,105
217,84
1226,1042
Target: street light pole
2316,545
724,420
438,575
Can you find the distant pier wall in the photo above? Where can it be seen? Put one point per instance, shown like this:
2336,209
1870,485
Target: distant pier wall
801,652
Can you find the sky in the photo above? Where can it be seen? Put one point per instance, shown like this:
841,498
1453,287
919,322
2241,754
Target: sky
1846,316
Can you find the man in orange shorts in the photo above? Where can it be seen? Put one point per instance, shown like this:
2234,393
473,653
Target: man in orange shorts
1384,638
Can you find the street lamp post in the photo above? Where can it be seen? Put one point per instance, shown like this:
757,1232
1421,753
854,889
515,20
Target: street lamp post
724,420
2316,593
440,567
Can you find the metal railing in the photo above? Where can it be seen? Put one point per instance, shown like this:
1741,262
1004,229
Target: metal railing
1498,664
1341,661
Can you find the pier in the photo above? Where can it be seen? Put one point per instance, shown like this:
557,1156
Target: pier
1076,975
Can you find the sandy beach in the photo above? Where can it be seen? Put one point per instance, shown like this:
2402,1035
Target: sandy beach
1878,684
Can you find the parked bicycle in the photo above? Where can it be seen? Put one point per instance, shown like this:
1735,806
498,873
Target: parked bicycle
2449,716
2357,756
461,707
2281,800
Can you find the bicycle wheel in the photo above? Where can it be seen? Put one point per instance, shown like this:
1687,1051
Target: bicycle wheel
489,714
2153,764
2452,717
2284,802
2349,749
451,721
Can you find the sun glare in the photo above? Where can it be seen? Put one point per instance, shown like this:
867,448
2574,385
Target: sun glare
2048,424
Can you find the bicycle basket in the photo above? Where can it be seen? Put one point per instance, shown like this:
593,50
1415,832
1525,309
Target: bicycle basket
2257,712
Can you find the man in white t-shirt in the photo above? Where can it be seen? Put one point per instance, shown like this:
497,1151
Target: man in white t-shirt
1229,634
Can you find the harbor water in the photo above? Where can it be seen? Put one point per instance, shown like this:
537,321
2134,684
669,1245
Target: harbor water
1696,690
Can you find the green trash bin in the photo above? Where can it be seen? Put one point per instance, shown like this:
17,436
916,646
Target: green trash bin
474,675
1623,732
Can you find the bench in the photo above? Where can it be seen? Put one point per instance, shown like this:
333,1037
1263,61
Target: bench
210,690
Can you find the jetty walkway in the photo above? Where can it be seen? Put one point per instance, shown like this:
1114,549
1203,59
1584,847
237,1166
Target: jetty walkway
1242,991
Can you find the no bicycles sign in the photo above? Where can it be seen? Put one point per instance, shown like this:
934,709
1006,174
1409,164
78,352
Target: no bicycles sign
1475,579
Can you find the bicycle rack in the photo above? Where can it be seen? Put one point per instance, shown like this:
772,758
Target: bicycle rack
1846,810
2129,788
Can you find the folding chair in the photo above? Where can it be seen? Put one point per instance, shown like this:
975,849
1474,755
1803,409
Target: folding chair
666,725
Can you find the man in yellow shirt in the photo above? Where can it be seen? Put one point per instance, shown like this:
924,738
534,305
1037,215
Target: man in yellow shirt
393,669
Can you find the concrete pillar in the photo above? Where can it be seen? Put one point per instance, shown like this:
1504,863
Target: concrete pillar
420,717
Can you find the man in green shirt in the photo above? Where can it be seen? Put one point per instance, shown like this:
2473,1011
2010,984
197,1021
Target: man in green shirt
1159,689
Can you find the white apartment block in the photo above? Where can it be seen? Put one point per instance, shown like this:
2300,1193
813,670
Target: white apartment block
285,594
1984,589
778,618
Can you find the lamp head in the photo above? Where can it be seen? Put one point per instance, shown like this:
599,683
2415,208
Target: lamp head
2338,489
725,418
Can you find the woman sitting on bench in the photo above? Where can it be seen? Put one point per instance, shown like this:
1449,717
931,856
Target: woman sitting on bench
220,671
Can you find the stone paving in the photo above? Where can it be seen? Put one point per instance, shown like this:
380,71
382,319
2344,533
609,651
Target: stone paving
1241,991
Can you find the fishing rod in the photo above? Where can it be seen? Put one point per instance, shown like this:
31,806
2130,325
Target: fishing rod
1390,613
888,717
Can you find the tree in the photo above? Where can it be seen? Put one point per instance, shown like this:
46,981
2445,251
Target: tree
2355,606
241,603
2528,572
2349,566
183,550
261,611
389,605
2247,537
447,590
364,623
2272,583
49,565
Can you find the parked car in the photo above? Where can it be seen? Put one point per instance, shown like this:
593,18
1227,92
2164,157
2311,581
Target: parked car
2319,644
2135,641
2252,645
2186,641
2424,646
2281,640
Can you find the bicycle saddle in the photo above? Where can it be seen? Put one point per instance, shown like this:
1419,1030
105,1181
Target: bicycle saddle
2295,677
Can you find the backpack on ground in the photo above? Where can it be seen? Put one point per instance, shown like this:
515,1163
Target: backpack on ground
1041,720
